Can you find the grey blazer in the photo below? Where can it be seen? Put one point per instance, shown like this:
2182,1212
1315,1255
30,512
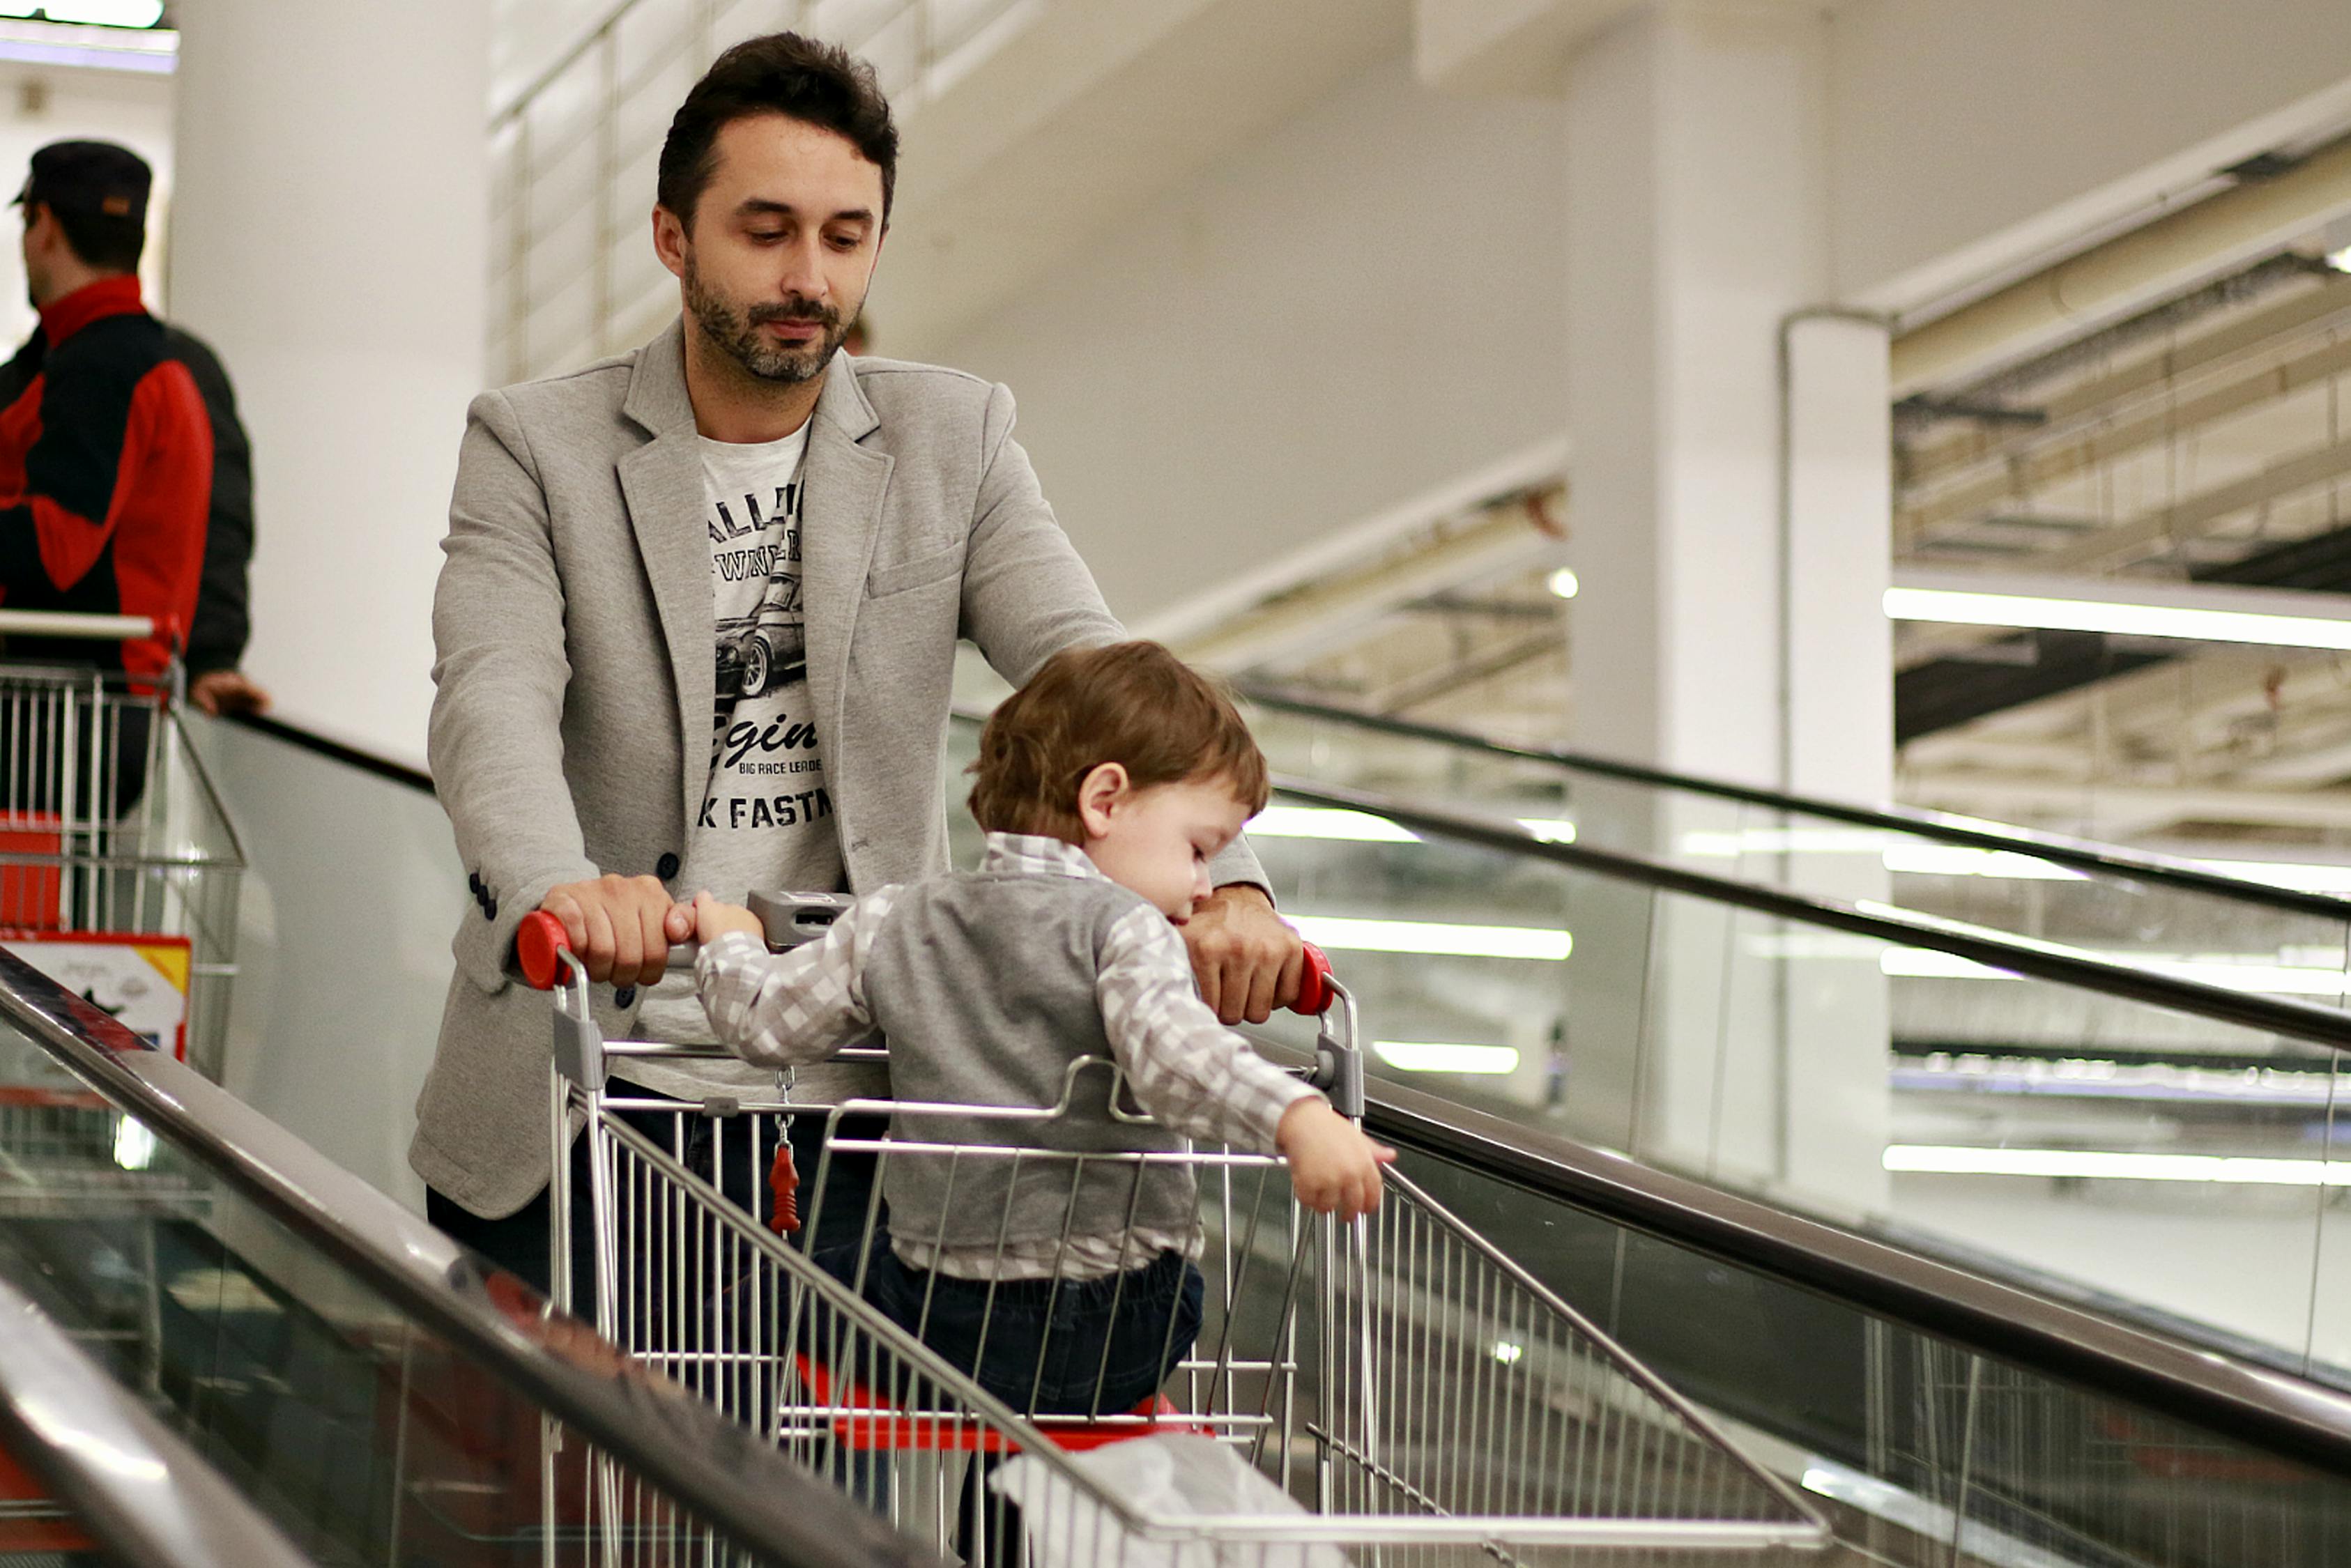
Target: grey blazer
573,625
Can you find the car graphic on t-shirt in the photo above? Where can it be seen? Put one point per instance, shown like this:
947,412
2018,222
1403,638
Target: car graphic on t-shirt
763,652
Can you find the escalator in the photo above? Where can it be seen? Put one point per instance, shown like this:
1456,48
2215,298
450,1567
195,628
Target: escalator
2126,1065
1975,1040
1732,1223
220,1348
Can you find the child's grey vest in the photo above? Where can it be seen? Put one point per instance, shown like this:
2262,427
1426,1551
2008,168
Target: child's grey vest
984,986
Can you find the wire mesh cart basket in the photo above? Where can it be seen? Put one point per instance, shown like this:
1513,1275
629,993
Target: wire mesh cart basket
1391,1389
119,866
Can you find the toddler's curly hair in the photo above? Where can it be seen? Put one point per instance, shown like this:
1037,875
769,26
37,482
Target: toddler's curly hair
1134,704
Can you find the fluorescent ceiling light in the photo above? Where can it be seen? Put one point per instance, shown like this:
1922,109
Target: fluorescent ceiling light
1984,1071
1925,857
2107,1165
1958,860
2229,973
1367,827
1436,1056
95,13
150,51
1961,606
1352,936
1328,822
135,1146
1562,583
1918,856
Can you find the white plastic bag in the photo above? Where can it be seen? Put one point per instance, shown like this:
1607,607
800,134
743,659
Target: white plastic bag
1167,1476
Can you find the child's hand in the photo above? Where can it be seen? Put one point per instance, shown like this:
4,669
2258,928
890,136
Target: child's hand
712,919
1333,1166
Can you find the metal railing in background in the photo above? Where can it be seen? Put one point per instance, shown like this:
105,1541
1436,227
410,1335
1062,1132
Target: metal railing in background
573,154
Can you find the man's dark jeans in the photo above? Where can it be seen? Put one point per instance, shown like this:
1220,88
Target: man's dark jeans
519,1242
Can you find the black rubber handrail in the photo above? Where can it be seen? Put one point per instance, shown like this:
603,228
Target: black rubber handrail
2079,855
2269,1410
2273,1015
2327,1027
718,1470
350,755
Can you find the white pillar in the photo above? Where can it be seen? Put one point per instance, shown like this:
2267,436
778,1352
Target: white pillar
1731,545
328,238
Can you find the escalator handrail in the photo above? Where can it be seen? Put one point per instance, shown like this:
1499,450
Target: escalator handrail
2267,1409
143,1496
2080,854
2245,1009
715,1468
335,750
2057,849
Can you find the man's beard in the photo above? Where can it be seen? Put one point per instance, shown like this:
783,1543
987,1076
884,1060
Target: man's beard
738,332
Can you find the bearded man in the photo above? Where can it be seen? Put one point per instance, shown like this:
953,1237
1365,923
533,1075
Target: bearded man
696,629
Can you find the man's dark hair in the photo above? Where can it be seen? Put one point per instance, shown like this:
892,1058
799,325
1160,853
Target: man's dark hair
782,73
108,243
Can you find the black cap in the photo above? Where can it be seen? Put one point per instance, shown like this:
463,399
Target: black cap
95,177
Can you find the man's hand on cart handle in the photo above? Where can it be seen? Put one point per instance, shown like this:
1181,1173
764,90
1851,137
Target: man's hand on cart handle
1333,1167
1246,959
622,928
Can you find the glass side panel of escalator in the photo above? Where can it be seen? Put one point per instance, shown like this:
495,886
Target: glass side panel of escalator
360,1431
1921,1452
2210,937
2178,1169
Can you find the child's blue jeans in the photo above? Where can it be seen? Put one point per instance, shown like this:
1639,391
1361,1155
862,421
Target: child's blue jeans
1052,1347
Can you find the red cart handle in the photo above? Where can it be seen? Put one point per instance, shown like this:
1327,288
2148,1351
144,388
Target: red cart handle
537,941
540,938
1313,984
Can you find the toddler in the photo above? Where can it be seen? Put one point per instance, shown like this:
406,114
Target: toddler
1105,785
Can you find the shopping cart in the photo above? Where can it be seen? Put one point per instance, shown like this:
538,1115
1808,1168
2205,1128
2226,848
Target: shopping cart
1394,1388
119,867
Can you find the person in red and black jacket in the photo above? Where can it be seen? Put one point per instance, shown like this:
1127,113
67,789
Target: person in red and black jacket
106,449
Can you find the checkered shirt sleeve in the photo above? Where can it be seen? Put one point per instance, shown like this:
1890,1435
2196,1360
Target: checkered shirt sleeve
779,1010
1185,1068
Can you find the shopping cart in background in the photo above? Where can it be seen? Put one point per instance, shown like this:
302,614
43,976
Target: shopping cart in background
1393,1389
119,866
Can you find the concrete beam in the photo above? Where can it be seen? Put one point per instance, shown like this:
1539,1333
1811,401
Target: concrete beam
1319,613
2191,518
2125,274
2057,452
1503,46
2086,405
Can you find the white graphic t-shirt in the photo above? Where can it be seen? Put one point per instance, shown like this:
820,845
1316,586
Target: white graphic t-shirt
767,819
